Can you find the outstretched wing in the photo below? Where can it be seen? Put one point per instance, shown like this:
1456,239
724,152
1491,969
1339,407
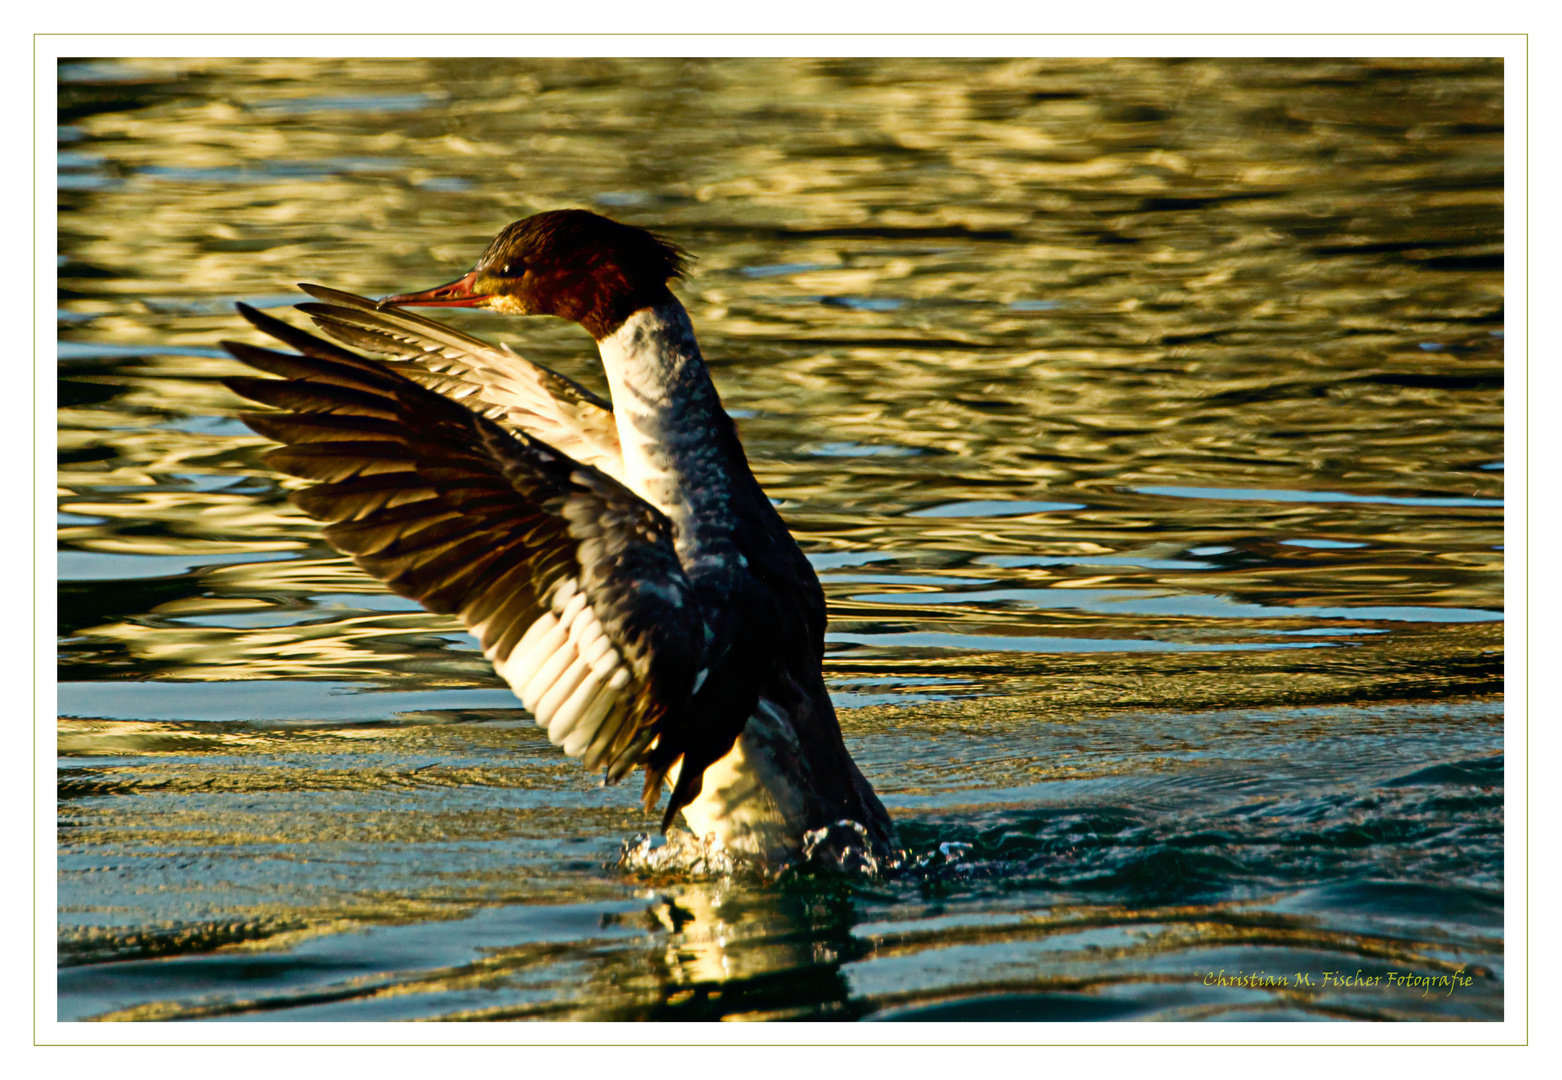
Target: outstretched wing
568,579
494,381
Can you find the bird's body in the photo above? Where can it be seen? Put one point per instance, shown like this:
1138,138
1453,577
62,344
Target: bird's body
618,561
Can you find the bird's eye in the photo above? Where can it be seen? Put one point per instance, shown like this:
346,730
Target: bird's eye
512,270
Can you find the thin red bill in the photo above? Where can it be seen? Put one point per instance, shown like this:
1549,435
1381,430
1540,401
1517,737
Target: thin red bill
458,293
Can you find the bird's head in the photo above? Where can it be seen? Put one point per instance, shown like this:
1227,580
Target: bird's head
574,264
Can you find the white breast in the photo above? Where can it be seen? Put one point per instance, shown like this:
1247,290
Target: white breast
747,804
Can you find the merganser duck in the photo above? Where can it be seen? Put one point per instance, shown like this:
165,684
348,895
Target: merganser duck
620,565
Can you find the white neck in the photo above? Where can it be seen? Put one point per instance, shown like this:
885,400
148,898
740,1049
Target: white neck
667,412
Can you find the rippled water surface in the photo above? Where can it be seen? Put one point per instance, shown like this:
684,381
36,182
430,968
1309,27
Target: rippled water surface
1143,420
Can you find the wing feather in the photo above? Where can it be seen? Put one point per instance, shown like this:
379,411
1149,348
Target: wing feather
496,382
569,580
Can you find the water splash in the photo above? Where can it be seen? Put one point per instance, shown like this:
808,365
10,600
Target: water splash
680,853
842,847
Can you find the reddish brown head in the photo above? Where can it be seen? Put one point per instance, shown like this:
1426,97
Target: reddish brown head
570,263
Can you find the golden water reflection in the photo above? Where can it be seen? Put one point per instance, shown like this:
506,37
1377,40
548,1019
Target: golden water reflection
1110,398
